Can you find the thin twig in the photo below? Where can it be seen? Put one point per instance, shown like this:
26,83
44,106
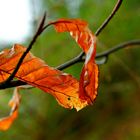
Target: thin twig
107,20
106,53
70,63
10,78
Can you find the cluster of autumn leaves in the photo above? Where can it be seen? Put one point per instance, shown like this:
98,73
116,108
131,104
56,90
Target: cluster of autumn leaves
68,91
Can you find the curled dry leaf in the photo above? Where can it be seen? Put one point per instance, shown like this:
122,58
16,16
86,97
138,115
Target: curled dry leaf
87,41
6,122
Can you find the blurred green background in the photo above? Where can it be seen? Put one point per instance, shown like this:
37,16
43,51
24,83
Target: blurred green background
115,115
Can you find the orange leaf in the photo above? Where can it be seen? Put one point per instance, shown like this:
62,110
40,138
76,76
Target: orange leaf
87,41
35,72
6,122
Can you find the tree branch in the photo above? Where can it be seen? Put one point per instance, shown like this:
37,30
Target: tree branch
71,62
106,53
107,20
78,59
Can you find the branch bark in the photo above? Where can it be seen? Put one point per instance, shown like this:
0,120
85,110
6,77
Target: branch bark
127,44
107,20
